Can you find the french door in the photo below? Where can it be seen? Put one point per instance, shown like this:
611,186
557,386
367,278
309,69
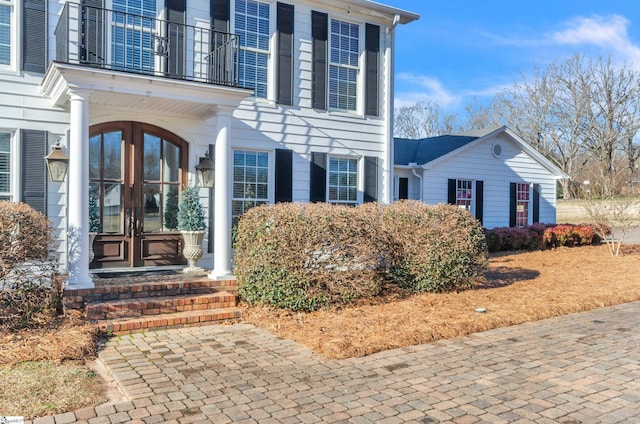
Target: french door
136,173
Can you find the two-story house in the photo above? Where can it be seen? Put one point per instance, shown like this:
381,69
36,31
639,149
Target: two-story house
293,101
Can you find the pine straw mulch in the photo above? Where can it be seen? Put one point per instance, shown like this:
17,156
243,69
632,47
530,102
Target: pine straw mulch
518,287
63,338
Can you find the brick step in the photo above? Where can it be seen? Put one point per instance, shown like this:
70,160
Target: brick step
158,305
78,298
164,321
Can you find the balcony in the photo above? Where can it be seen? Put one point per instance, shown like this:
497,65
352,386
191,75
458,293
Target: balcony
118,41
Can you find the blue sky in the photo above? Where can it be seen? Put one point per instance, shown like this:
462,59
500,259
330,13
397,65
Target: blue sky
461,49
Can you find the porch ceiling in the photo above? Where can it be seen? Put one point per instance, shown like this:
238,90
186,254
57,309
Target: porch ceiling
139,92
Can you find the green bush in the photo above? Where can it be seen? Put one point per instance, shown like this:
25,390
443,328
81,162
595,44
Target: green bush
306,256
437,248
190,215
30,292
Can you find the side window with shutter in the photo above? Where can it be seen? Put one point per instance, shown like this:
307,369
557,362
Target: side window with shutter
34,35
34,169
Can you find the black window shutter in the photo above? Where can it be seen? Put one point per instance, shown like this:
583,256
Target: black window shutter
451,191
536,203
372,59
284,175
34,169
318,177
220,12
479,200
92,49
176,19
319,33
512,205
403,188
370,179
34,35
285,54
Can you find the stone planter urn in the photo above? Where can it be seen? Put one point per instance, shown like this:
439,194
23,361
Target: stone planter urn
192,250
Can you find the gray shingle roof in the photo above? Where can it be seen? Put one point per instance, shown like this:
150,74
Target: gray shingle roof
422,151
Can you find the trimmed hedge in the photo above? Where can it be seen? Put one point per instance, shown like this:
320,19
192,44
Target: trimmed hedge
438,248
308,256
540,236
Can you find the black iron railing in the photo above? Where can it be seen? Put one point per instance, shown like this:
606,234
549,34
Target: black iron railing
121,41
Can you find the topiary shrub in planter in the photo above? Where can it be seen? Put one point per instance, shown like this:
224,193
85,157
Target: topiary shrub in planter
437,248
191,222
303,257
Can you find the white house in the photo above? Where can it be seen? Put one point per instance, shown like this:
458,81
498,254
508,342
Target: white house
497,176
292,99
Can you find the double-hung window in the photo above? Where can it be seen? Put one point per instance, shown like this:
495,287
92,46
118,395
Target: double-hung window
252,26
6,12
250,181
344,52
343,180
523,198
464,194
132,34
5,166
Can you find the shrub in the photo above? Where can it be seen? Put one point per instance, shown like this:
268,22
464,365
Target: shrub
570,235
436,248
29,292
308,256
190,215
540,236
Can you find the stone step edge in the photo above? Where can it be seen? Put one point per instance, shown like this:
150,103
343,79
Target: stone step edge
172,320
77,298
158,305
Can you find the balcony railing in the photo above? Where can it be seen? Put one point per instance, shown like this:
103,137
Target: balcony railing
119,41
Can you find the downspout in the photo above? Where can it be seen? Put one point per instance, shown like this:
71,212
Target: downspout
414,166
387,176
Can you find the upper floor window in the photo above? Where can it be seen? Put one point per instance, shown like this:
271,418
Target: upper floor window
343,180
252,25
343,65
5,166
5,32
464,194
250,181
132,34
522,204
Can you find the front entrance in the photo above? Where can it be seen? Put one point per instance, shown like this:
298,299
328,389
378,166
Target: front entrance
136,173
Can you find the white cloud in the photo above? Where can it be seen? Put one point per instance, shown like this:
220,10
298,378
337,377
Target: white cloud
606,32
423,88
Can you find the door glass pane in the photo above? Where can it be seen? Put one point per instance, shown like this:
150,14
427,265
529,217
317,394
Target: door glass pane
171,162
111,222
151,158
113,155
94,156
151,208
170,210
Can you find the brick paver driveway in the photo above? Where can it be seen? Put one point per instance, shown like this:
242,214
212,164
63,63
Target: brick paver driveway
582,368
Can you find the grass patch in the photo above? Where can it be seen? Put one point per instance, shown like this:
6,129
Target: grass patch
36,388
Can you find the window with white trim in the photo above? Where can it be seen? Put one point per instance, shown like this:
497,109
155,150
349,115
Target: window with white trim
343,181
464,194
523,200
252,25
6,11
344,51
5,166
250,181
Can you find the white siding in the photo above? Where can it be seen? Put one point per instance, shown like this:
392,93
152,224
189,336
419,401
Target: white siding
478,163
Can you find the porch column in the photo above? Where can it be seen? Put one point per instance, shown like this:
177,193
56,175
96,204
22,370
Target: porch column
78,193
222,199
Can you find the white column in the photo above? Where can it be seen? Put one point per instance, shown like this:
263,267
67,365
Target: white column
222,199
78,193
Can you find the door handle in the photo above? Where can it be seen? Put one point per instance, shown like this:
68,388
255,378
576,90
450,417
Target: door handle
138,223
128,222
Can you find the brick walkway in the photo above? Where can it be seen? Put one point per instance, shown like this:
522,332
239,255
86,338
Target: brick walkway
582,368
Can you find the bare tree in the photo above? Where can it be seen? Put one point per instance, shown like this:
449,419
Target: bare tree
423,119
614,217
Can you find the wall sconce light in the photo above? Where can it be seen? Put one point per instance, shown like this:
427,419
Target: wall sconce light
205,172
57,163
